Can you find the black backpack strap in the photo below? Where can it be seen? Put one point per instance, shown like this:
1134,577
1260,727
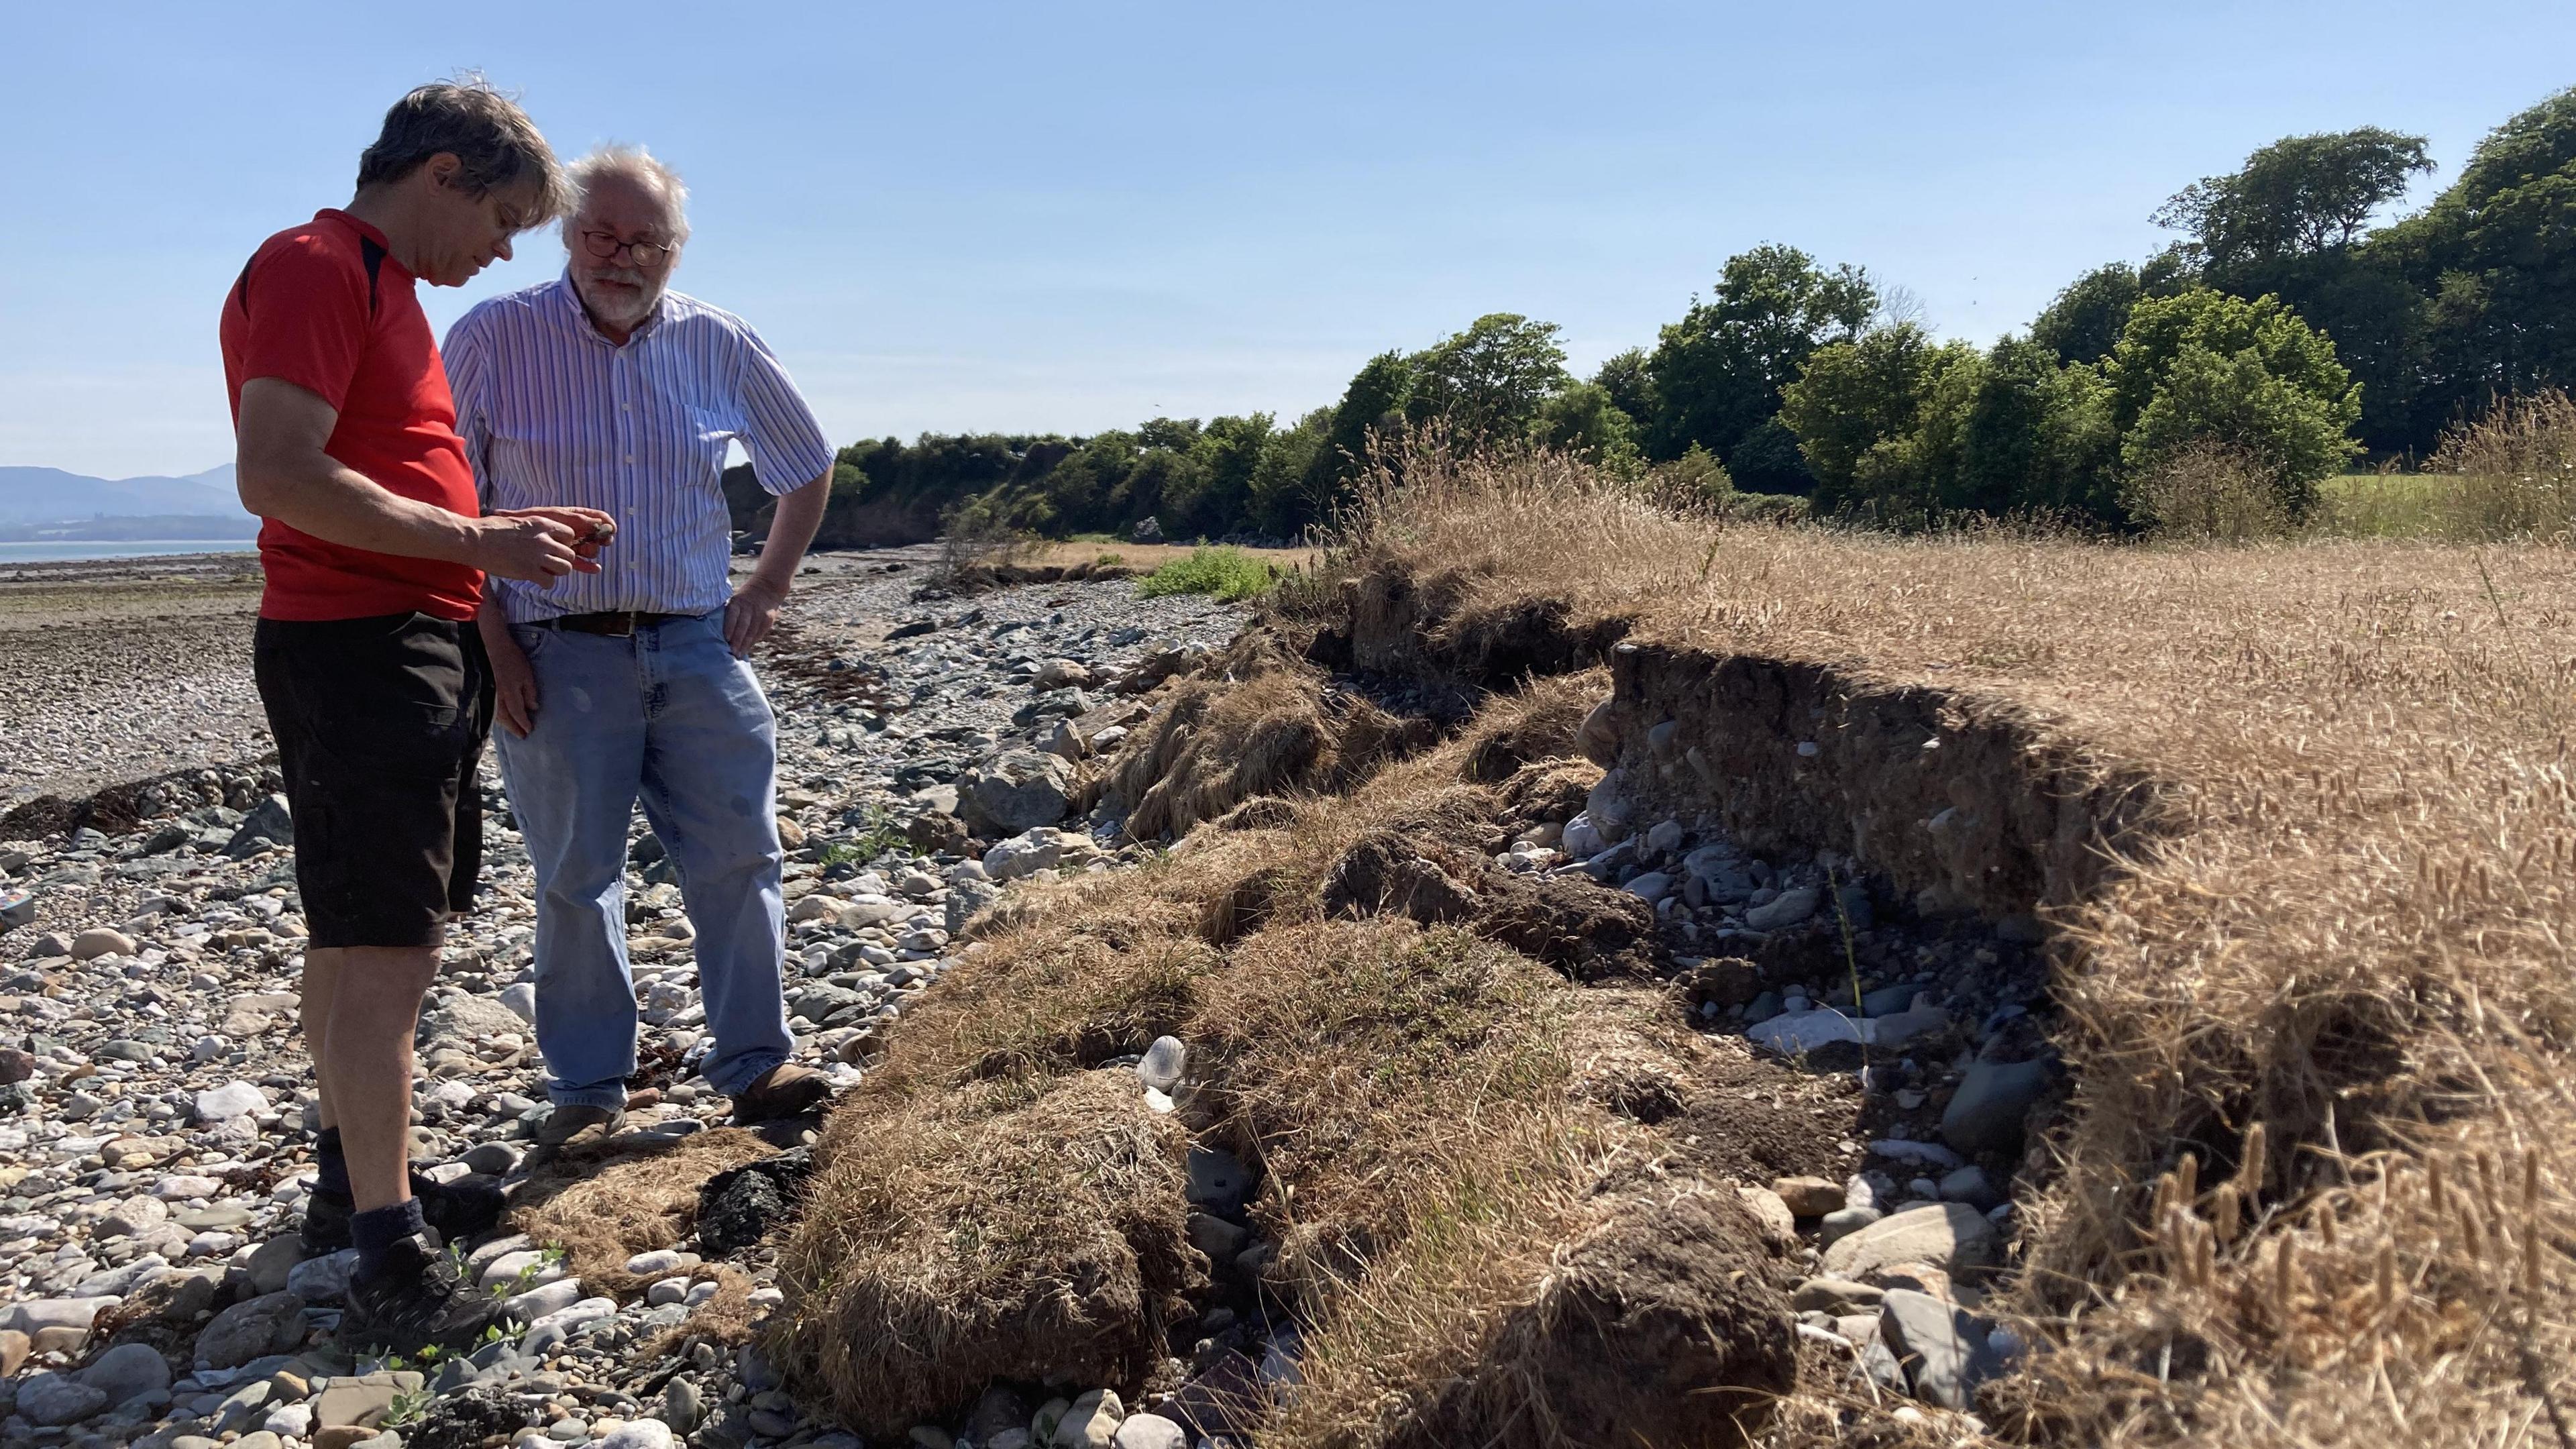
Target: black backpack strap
374,256
241,289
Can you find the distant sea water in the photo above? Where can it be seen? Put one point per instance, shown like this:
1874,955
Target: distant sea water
73,549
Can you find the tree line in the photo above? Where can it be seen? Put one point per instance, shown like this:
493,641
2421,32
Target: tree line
2281,325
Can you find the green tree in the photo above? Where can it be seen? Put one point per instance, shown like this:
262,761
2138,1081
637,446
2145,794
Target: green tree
1373,404
1489,381
2289,224
1583,421
1282,503
1719,372
2038,437
2251,375
2084,322
1850,397
1630,383
2297,196
1223,458
2494,260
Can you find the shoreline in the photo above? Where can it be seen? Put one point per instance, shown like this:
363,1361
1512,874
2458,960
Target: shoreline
122,670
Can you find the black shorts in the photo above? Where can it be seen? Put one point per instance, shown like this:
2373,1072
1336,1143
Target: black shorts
380,724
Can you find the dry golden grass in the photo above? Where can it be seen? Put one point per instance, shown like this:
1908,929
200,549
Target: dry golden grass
2353,934
604,1204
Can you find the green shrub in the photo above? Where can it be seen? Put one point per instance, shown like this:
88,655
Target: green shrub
1228,574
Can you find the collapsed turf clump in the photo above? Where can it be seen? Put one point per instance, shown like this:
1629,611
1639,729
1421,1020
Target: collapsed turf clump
1657,1326
1256,722
996,1235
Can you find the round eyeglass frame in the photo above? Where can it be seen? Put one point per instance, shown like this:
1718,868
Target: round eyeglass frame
642,253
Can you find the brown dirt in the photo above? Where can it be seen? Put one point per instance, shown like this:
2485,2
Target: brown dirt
1660,1326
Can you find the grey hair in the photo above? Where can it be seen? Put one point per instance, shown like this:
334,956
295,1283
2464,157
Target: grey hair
496,145
627,163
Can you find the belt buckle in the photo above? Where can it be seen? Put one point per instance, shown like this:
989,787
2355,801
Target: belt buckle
624,627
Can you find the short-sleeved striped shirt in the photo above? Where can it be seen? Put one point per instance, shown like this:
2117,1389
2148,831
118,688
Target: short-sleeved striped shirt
554,413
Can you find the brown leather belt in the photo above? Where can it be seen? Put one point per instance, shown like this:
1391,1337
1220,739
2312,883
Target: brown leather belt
617,623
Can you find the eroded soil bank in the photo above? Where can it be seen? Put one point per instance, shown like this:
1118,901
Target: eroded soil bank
1506,980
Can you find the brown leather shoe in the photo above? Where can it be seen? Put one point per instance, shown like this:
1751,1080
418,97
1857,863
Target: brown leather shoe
577,1127
785,1090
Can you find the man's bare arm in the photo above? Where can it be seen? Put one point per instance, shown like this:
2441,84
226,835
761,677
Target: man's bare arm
791,532
754,610
282,472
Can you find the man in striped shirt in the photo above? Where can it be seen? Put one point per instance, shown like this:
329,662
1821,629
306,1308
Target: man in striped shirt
606,390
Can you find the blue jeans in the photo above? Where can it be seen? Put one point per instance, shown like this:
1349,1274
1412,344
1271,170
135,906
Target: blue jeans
669,717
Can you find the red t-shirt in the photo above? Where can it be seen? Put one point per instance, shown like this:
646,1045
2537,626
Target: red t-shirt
324,306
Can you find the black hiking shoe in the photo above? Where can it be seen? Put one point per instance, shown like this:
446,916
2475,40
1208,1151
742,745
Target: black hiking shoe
419,1296
458,1210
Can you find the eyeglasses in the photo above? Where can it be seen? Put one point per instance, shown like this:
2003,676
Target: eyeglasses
605,246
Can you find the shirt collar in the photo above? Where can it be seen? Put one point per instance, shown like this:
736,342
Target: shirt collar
364,229
581,316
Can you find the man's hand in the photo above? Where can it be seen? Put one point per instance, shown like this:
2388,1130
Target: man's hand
514,682
752,614
538,545
594,530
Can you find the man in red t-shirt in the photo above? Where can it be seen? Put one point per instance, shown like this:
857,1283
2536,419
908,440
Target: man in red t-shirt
368,662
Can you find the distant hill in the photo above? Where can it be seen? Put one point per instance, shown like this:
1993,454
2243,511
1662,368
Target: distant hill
50,495
135,528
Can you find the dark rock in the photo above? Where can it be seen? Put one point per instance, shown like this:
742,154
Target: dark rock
1987,1112
268,824
737,1208
1940,1346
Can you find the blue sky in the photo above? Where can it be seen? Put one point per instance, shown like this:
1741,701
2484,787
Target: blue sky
1074,216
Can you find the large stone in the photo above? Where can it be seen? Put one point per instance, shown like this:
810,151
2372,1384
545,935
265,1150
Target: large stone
1987,1112
1092,1422
100,941
126,1371
1790,908
468,1021
1039,849
1164,1063
363,1400
1779,1226
1018,791
636,1434
38,1314
1950,1236
1217,1180
324,1279
1150,1431
14,1348
268,823
1809,1197
1941,1348
232,1099
53,1399
271,1261
254,1328
138,1214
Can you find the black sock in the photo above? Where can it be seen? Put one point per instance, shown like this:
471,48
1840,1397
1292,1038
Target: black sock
332,1162
378,1229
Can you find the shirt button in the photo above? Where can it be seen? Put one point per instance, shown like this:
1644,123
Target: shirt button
630,457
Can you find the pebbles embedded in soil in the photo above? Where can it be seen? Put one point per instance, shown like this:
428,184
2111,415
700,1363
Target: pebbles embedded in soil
155,1095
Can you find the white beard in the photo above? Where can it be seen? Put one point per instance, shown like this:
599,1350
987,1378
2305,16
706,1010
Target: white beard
619,313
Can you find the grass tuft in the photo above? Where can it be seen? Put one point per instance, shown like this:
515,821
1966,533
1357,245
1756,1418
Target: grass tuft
1228,574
